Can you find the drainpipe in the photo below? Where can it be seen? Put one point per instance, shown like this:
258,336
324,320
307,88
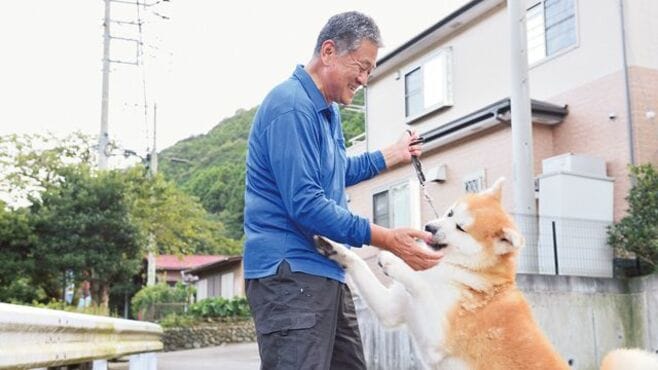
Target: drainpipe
629,115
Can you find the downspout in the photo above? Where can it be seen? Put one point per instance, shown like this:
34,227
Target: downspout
629,115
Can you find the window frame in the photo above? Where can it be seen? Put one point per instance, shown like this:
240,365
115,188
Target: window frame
413,202
541,3
446,90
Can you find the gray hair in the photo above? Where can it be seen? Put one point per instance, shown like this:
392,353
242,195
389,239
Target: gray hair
347,30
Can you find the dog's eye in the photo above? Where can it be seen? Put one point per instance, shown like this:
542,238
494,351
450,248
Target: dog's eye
450,213
460,228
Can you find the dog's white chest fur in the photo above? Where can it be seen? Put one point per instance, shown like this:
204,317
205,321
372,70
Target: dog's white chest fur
420,300
436,293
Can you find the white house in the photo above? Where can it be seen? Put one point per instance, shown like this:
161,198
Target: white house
593,70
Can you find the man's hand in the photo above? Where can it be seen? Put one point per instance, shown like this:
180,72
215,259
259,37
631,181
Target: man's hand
402,243
402,150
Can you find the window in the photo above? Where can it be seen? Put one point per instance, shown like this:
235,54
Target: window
475,182
392,207
551,26
427,87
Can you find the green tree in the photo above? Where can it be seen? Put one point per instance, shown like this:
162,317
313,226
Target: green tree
216,169
84,228
16,254
178,222
638,231
353,118
221,191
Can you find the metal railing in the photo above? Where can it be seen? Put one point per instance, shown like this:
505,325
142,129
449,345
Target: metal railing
35,337
564,246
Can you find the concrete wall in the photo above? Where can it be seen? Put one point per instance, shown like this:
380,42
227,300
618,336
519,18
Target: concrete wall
587,317
584,318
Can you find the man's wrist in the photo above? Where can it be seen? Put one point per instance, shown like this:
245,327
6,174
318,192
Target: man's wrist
391,156
380,236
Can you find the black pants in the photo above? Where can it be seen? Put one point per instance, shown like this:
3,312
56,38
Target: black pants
304,322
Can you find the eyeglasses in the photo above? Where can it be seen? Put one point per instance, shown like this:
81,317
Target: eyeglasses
363,67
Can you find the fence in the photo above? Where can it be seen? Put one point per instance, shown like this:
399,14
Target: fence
564,246
384,348
157,311
36,337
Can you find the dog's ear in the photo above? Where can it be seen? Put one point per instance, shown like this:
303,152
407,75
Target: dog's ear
496,189
509,240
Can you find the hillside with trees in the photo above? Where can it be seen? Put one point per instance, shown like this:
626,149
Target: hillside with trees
211,167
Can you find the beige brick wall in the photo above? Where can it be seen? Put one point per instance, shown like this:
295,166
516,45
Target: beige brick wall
588,128
644,88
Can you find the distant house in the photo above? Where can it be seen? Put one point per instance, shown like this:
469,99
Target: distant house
168,267
223,278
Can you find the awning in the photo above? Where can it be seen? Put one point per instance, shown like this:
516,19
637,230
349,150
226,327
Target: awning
492,115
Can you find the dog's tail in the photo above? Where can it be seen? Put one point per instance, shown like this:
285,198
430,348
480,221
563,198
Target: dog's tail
630,359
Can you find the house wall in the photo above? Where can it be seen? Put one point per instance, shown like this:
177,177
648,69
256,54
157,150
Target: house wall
642,30
210,282
588,78
644,95
480,68
489,150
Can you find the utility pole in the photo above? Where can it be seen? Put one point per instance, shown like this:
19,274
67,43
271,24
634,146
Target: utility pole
154,152
522,148
103,139
153,168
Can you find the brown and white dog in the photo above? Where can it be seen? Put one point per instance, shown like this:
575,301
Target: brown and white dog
466,312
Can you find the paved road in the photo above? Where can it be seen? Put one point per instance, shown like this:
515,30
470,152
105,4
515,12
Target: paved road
237,356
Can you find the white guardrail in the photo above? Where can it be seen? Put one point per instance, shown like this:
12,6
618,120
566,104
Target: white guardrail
35,338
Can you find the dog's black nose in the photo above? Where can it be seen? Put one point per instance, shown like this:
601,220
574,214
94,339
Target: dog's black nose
431,228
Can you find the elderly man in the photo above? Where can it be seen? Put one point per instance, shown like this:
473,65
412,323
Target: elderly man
297,171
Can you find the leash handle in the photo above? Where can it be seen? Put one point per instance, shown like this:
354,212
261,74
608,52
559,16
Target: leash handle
416,162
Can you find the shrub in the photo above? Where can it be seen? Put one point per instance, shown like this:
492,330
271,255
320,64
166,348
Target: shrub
220,307
159,294
175,320
637,233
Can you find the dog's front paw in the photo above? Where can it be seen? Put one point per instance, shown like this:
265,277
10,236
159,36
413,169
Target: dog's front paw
332,250
389,263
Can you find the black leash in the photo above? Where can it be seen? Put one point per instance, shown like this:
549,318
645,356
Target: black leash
418,167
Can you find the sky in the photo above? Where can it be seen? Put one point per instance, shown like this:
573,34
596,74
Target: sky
201,65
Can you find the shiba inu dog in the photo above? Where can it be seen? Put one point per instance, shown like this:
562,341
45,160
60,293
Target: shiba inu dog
466,312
